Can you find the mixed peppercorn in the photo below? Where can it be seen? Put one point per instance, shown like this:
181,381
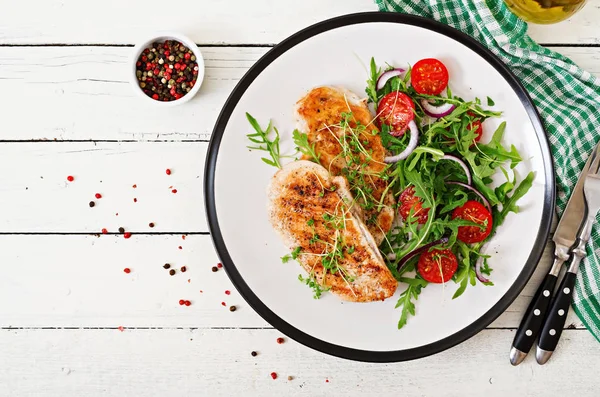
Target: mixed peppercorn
167,71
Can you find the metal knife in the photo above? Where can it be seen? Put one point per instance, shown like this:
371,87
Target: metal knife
564,238
555,320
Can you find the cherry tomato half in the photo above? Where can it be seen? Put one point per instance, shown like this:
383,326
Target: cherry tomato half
409,201
437,266
429,76
476,212
396,110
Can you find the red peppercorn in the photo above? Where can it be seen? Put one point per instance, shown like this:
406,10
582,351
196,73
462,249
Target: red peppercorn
127,235
134,200
177,66
167,52
168,171
274,375
121,328
187,303
98,196
156,72
104,231
70,178
127,270
144,58
138,64
227,292
280,340
187,55
174,191
155,96
180,247
183,237
134,186
181,302
223,304
219,265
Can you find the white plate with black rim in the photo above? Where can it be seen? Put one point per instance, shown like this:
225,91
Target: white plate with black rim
336,52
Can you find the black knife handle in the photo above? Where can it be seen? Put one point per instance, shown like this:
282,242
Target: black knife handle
555,321
534,316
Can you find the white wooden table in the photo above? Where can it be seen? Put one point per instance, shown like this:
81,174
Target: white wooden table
67,109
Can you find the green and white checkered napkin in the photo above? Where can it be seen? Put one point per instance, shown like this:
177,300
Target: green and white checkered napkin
567,98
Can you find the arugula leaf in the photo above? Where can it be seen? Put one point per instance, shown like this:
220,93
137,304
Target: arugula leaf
301,141
487,191
405,301
490,101
453,225
458,200
465,273
505,188
261,138
510,205
371,89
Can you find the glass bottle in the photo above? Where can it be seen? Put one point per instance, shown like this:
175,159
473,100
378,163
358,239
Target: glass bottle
544,11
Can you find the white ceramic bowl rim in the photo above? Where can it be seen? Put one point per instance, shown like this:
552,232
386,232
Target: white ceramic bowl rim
161,37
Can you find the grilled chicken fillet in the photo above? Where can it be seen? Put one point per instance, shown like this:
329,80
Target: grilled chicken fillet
319,115
310,209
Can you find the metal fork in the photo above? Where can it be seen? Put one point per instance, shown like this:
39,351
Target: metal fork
555,321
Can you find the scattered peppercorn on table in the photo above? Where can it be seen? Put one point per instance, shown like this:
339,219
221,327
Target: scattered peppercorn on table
110,284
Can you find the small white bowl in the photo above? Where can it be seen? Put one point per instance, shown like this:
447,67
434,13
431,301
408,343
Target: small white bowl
161,37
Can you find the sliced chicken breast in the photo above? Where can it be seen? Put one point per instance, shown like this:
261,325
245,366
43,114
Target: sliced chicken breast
347,145
311,210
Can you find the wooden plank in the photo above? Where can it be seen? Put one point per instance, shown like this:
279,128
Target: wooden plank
82,93
218,362
36,196
78,281
213,22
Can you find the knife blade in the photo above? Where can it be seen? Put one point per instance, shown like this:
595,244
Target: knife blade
564,238
569,224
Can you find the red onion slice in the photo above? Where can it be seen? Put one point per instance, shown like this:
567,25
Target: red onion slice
471,188
417,251
412,144
385,76
437,111
462,164
478,264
